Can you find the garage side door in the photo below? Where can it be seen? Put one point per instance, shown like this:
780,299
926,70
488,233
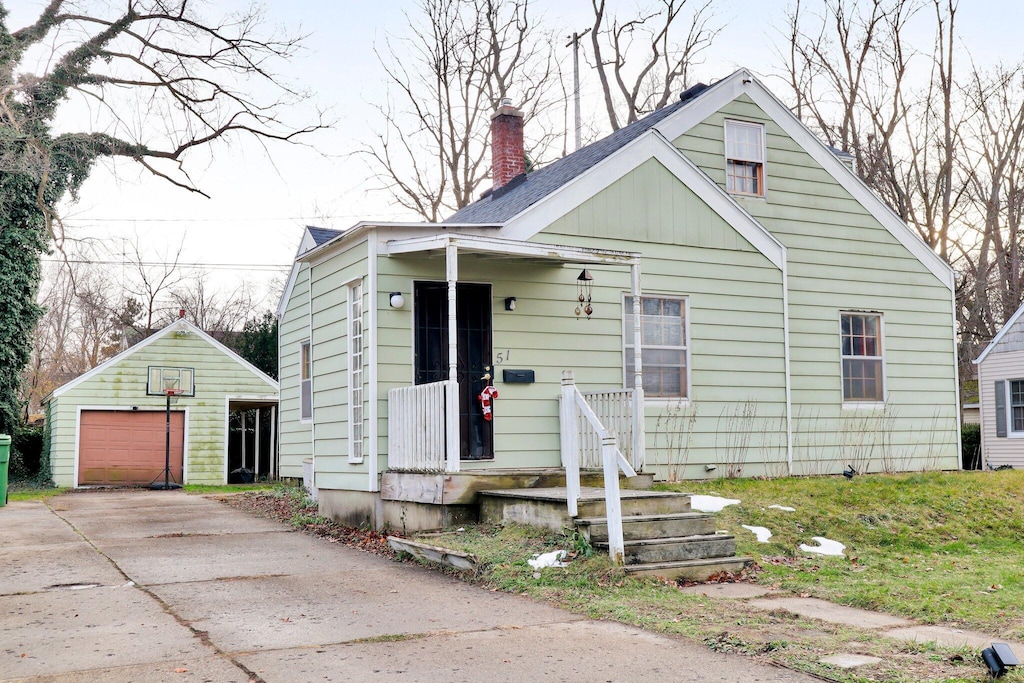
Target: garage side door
119,447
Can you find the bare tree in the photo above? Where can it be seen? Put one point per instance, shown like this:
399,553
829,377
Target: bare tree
151,283
214,309
644,59
445,78
993,166
160,80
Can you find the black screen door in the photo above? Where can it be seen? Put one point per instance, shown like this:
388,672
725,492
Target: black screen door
474,354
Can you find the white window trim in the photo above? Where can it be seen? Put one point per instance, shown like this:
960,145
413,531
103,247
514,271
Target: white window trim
864,405
353,371
627,340
763,160
306,343
1010,432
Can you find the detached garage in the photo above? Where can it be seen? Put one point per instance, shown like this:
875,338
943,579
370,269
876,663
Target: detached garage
110,425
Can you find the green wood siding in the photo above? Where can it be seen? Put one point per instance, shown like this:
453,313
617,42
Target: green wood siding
841,258
123,384
330,335
737,351
293,328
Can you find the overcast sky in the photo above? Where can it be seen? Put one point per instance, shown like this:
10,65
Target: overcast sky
262,198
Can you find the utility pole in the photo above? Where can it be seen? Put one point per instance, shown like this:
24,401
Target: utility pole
574,42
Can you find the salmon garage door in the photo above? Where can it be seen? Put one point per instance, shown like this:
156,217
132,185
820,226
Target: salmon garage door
121,447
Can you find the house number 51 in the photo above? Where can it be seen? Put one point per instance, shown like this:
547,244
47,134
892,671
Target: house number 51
503,356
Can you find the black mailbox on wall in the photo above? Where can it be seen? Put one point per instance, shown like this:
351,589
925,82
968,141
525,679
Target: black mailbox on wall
517,376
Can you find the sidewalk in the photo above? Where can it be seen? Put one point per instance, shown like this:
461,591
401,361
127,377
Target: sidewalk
888,626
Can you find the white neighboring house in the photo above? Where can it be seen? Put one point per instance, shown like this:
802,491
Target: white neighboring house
1001,395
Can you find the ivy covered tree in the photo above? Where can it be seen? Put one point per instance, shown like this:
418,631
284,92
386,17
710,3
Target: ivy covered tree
159,80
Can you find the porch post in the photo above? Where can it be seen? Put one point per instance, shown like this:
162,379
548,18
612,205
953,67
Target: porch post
256,461
639,426
453,430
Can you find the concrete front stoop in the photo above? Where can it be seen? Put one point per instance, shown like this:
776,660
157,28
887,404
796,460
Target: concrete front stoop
662,536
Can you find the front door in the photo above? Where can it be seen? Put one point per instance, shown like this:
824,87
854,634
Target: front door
474,354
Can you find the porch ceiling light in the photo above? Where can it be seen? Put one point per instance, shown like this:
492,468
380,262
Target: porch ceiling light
397,300
510,303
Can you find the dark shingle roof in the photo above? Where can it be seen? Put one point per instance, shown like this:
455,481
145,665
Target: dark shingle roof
321,235
501,206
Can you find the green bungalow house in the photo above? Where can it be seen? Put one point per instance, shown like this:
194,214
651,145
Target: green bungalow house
109,426
719,288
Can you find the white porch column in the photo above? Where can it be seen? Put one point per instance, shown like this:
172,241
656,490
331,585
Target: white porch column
272,470
453,430
451,263
639,424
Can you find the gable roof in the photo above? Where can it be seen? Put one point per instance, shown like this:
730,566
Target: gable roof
650,145
321,235
312,237
1002,333
498,207
181,325
676,119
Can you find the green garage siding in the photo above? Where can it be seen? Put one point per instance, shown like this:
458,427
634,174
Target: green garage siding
841,258
122,385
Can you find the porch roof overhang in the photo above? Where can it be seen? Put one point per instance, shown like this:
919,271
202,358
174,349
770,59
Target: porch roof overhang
501,247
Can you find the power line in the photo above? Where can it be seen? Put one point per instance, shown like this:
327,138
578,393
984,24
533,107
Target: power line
218,266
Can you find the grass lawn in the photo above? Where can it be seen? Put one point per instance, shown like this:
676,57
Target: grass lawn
32,492
937,547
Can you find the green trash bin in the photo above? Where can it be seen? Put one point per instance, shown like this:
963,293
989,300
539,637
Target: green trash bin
5,457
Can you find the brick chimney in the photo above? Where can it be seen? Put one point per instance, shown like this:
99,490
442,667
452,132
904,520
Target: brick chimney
508,158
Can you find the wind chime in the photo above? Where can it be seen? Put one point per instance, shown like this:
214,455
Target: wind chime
584,293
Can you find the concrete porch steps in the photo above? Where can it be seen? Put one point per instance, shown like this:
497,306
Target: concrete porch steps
661,535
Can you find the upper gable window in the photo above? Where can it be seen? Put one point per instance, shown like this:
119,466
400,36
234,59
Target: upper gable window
744,158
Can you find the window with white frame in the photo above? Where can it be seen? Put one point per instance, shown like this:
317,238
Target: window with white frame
664,349
306,384
1009,395
1017,405
744,158
862,358
355,373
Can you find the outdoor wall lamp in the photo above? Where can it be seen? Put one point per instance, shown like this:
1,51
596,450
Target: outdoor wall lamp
510,303
397,300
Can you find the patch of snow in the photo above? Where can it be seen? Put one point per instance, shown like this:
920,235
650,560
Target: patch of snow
710,503
762,533
784,508
824,547
552,559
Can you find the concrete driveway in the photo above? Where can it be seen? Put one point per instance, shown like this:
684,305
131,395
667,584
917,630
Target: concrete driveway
163,586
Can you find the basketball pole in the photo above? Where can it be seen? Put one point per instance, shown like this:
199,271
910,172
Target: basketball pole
167,485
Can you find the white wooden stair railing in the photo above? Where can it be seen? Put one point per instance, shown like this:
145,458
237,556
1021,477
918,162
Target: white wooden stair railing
423,427
573,406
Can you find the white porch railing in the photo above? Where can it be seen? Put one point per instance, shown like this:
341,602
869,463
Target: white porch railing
574,407
423,427
615,411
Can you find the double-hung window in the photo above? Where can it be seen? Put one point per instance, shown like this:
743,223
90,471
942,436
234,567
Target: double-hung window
355,373
744,158
664,348
306,382
861,341
1009,395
